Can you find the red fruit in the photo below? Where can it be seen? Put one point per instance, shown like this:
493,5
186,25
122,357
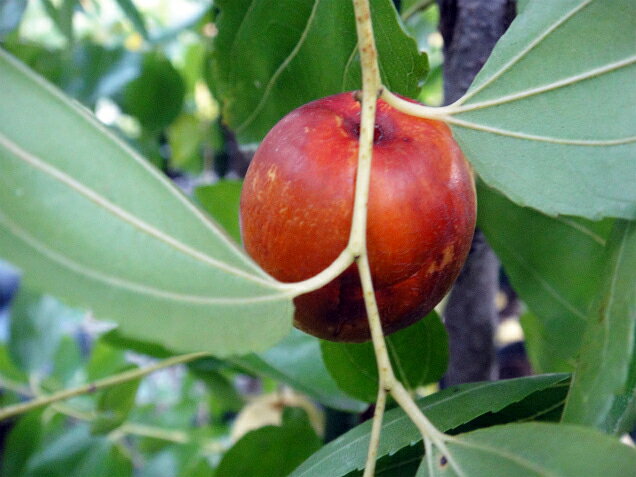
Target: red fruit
297,203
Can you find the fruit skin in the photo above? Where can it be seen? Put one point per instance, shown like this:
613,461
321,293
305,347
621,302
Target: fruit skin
297,204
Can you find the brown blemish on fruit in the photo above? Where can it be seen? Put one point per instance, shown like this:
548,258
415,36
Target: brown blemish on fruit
448,254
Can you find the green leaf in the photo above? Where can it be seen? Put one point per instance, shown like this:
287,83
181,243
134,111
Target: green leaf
114,405
95,236
297,361
536,449
67,362
221,201
76,453
11,12
155,97
419,355
104,361
37,326
271,451
21,442
272,56
542,346
553,263
185,136
8,369
548,120
448,410
604,383
129,8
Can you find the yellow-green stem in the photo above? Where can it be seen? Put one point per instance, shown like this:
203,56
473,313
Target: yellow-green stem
131,375
371,89
376,430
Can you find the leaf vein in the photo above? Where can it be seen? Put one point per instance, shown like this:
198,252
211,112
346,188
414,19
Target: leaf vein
117,282
272,81
122,214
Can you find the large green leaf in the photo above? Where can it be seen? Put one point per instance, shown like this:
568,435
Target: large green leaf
550,120
535,449
448,410
553,263
603,391
419,355
272,56
94,224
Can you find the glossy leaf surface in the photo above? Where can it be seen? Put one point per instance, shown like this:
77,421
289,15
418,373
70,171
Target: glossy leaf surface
272,56
448,409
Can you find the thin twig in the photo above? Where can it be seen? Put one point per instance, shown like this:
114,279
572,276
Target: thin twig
131,375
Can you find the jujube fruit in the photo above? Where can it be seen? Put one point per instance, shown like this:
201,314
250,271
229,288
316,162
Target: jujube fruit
297,204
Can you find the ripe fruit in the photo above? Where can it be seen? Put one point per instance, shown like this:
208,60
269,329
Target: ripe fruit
297,203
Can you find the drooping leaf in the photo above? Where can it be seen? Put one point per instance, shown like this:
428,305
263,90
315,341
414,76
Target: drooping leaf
448,410
603,393
554,264
273,56
535,449
419,355
548,120
271,451
119,239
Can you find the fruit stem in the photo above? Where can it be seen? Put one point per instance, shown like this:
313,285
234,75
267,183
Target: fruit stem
371,90
442,113
376,429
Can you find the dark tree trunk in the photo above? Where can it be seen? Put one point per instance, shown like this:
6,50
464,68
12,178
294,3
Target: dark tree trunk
470,29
